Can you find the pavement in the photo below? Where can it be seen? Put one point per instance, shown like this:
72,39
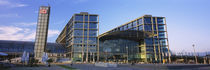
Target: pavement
172,66
144,67
121,67
53,67
93,67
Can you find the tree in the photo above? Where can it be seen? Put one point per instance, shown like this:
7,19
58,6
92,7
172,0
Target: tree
49,61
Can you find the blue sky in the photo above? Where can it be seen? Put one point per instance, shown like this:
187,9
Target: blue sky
187,20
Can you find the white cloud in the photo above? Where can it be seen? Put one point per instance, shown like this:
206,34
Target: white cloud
11,33
22,34
6,3
52,33
27,24
30,36
9,15
20,5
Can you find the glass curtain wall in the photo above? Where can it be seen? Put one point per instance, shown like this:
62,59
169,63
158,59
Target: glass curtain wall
82,37
153,48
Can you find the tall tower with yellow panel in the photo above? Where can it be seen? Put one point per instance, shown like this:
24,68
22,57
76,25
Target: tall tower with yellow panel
41,31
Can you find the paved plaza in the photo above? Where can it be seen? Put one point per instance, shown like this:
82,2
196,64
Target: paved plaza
143,67
53,67
120,67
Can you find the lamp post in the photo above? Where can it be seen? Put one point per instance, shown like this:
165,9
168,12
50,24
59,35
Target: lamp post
127,53
195,54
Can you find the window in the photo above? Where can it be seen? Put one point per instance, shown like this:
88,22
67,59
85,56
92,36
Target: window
147,20
93,18
86,25
154,21
121,28
134,23
86,17
92,40
78,25
161,34
149,41
163,42
78,40
92,25
125,27
79,18
139,21
140,27
148,27
78,32
133,28
161,27
160,21
92,33
154,27
129,25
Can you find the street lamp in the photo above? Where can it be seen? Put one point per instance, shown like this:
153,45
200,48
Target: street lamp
127,53
195,54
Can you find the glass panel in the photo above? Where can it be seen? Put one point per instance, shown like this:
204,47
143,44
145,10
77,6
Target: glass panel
93,18
161,34
78,25
161,27
139,21
163,42
134,23
119,46
92,40
78,40
154,27
160,20
86,17
147,20
125,27
85,32
93,25
121,28
79,18
129,25
149,41
141,27
134,28
92,33
148,27
86,25
78,32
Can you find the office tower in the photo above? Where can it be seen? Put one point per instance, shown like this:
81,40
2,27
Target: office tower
80,37
41,31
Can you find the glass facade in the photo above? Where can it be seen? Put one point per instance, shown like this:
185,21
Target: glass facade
115,50
150,49
42,31
81,36
18,47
